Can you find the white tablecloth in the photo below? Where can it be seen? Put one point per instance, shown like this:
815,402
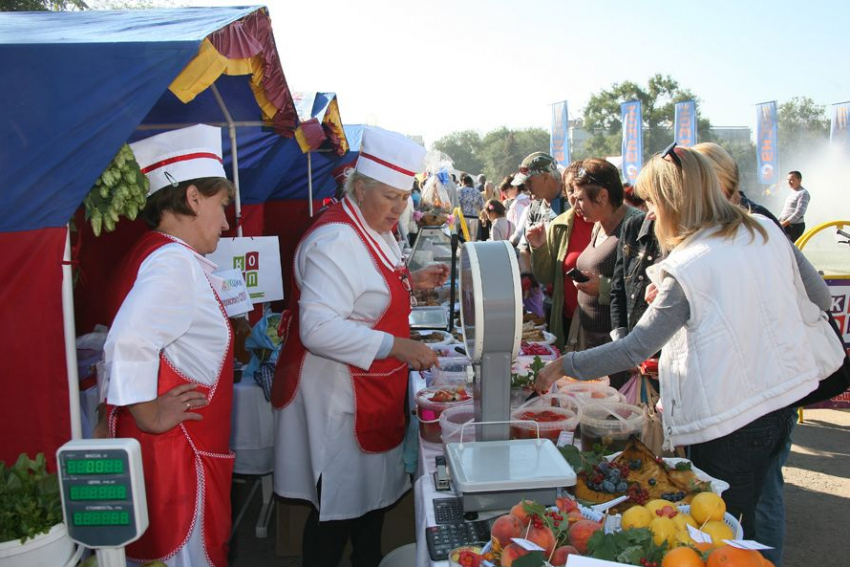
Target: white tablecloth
252,432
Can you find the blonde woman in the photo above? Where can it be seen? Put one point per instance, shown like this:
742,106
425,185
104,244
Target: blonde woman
735,349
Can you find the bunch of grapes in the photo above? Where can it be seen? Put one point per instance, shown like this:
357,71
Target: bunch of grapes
121,190
609,477
637,494
674,496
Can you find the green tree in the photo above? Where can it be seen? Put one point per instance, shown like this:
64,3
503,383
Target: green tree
504,149
464,148
658,99
41,5
803,129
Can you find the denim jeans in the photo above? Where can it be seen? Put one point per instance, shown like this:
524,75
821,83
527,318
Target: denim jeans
742,459
770,511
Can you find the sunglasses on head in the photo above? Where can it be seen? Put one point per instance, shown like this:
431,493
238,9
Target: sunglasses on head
671,151
583,174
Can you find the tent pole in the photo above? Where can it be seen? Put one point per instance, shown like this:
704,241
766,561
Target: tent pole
310,183
231,127
70,339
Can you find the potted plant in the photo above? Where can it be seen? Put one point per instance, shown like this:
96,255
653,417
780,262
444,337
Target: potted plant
31,529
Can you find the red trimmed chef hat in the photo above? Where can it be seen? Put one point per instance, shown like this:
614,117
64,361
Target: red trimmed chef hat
180,155
390,157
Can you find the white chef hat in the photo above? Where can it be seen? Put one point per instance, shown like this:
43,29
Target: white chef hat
180,155
390,157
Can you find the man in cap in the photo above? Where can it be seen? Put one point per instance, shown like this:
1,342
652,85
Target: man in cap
539,173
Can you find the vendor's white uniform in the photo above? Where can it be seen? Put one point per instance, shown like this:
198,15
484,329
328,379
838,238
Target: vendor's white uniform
342,295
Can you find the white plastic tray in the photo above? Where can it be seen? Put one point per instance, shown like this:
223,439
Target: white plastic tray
493,466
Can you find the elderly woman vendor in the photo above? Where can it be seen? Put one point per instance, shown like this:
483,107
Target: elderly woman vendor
341,380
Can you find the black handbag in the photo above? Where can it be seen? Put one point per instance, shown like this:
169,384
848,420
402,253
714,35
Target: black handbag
834,384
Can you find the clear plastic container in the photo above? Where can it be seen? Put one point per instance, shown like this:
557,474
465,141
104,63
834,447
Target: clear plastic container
451,372
451,423
429,409
604,381
586,392
609,425
553,414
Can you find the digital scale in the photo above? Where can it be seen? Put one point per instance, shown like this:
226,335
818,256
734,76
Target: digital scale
103,495
495,472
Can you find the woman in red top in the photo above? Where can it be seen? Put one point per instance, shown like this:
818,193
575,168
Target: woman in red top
554,252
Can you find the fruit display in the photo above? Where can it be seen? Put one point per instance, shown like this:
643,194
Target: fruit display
121,190
641,475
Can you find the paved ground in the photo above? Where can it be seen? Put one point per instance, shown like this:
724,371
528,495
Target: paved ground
817,491
817,499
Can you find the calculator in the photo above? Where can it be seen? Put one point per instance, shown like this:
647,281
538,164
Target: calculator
448,510
443,538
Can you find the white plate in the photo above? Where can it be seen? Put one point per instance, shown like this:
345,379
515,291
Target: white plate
549,339
446,340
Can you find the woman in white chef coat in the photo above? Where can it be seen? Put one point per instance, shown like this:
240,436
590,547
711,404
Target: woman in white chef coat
169,353
341,380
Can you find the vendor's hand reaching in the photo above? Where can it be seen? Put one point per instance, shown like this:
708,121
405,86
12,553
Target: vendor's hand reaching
591,286
169,410
430,277
550,374
417,355
536,235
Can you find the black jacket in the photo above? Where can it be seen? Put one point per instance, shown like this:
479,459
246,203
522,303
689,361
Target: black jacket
637,249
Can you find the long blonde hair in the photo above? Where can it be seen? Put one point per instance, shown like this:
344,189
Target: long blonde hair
724,166
688,199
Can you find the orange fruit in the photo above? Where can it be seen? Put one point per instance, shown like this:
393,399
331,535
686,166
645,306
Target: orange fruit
728,556
703,547
682,557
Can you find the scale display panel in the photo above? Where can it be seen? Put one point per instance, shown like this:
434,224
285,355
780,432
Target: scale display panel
103,491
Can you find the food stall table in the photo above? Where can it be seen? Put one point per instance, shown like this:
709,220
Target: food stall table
252,440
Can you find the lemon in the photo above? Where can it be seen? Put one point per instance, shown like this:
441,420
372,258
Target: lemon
718,531
657,504
707,506
663,529
682,538
684,520
635,517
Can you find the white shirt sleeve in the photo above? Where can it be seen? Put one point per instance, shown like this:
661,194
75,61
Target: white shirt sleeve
340,290
159,309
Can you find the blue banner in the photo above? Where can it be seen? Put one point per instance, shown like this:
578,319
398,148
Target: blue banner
685,124
559,141
839,132
767,152
632,139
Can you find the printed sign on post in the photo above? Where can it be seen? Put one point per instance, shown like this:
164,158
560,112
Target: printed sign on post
258,258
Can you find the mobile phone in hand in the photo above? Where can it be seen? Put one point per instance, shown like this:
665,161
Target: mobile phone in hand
577,276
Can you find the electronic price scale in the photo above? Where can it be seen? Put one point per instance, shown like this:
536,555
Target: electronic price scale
103,495
495,472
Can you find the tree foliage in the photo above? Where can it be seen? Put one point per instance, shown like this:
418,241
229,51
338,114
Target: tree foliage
803,129
496,154
41,5
658,99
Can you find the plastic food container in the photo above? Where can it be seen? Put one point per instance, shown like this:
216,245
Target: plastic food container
551,417
431,402
585,392
451,423
451,372
604,381
609,425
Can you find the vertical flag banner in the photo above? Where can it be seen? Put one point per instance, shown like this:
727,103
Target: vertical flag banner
559,141
685,124
839,132
632,139
767,153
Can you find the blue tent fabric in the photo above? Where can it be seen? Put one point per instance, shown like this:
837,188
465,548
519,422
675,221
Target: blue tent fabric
77,85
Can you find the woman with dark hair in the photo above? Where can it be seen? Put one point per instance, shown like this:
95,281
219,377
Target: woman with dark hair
169,352
500,227
599,199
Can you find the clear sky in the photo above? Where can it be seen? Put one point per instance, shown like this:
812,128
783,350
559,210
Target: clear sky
431,67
